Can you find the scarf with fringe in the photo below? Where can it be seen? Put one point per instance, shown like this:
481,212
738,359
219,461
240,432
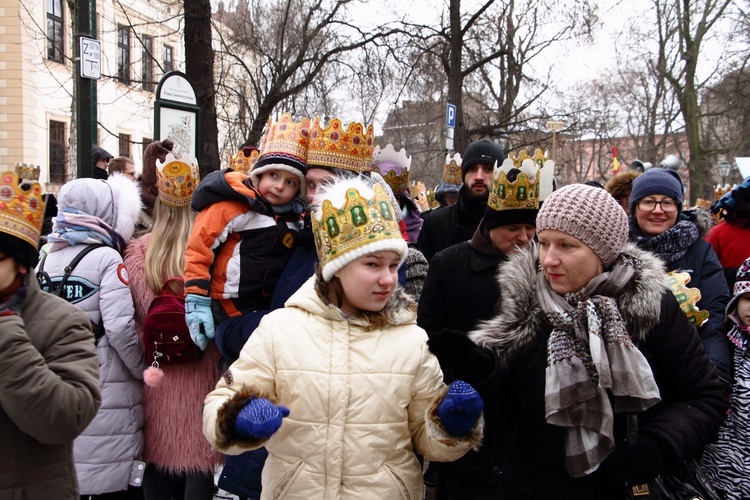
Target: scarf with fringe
590,356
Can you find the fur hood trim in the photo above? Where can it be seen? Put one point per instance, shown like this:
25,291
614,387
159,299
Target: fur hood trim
225,435
126,195
435,426
621,184
521,321
701,218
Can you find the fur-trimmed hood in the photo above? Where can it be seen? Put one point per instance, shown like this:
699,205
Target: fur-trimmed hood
621,184
701,218
521,320
116,201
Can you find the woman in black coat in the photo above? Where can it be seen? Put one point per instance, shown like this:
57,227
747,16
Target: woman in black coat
588,333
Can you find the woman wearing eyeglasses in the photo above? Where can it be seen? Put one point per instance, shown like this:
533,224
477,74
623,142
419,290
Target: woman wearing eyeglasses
659,224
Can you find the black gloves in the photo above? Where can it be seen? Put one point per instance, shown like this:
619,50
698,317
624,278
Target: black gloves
456,352
637,463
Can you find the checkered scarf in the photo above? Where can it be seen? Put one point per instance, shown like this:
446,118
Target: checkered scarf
673,243
590,356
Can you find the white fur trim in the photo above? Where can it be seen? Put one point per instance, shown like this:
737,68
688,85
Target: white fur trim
255,175
127,199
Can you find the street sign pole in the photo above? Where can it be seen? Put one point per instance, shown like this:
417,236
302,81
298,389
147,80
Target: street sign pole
83,96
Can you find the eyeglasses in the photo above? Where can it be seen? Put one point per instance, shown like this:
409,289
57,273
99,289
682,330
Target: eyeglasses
667,206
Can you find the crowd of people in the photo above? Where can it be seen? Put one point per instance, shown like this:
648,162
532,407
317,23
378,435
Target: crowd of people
338,341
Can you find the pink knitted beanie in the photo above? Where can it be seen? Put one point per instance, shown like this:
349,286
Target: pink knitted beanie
590,214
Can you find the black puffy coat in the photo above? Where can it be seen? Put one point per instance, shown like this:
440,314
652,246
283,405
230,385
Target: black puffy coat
448,226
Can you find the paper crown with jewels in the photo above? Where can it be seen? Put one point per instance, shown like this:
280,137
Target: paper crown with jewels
334,147
687,297
394,166
176,180
21,208
521,182
452,169
30,172
354,217
242,163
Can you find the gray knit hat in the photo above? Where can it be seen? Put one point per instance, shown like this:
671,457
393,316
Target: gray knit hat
589,214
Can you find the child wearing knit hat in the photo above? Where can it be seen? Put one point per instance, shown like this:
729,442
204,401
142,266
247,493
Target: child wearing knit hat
346,363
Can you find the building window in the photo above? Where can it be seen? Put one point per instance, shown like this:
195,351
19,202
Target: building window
147,64
123,53
55,30
125,145
168,59
58,153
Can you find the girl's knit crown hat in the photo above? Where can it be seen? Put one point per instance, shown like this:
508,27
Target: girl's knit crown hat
352,218
589,214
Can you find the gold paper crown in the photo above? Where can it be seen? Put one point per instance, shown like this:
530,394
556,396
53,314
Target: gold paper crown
176,180
286,138
687,297
30,172
334,147
242,163
21,210
419,194
523,192
398,182
431,199
359,222
452,169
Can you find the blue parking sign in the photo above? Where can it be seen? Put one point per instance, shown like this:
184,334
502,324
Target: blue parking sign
450,115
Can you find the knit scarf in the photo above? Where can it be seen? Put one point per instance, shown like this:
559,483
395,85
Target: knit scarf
73,227
673,243
590,356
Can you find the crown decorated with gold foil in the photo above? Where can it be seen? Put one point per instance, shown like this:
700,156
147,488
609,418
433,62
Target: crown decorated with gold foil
520,192
242,163
687,297
452,169
30,172
358,222
176,180
387,162
286,138
21,208
334,147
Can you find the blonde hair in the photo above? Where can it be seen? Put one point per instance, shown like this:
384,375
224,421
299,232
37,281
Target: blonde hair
165,254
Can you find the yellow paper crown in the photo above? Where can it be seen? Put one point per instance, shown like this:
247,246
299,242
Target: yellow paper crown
176,180
398,182
687,297
359,222
30,172
334,147
242,163
286,138
21,208
523,192
452,169
419,194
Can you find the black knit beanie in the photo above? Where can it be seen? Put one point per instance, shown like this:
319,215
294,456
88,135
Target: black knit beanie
482,151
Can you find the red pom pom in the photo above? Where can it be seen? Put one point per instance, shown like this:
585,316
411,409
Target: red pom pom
153,376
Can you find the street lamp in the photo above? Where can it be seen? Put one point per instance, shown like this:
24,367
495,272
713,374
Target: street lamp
554,127
724,168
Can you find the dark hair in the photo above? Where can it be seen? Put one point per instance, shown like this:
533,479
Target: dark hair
594,183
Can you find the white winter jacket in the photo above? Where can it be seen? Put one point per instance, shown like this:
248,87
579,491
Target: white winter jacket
107,454
363,401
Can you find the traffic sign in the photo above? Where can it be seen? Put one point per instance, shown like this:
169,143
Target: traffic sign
91,58
450,115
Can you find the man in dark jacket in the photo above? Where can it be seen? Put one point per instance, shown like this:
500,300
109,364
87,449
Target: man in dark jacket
460,291
456,223
100,157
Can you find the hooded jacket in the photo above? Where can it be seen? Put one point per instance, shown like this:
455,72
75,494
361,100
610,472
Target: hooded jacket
363,401
238,247
693,399
49,392
107,453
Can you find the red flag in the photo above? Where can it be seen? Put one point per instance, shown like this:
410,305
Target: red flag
615,161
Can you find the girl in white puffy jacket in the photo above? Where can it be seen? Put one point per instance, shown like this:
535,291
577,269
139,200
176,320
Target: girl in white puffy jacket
97,212
361,393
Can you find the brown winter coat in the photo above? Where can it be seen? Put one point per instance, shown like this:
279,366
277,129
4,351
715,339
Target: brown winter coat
49,392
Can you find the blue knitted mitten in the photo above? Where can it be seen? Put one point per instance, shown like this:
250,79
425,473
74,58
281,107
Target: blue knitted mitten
460,408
